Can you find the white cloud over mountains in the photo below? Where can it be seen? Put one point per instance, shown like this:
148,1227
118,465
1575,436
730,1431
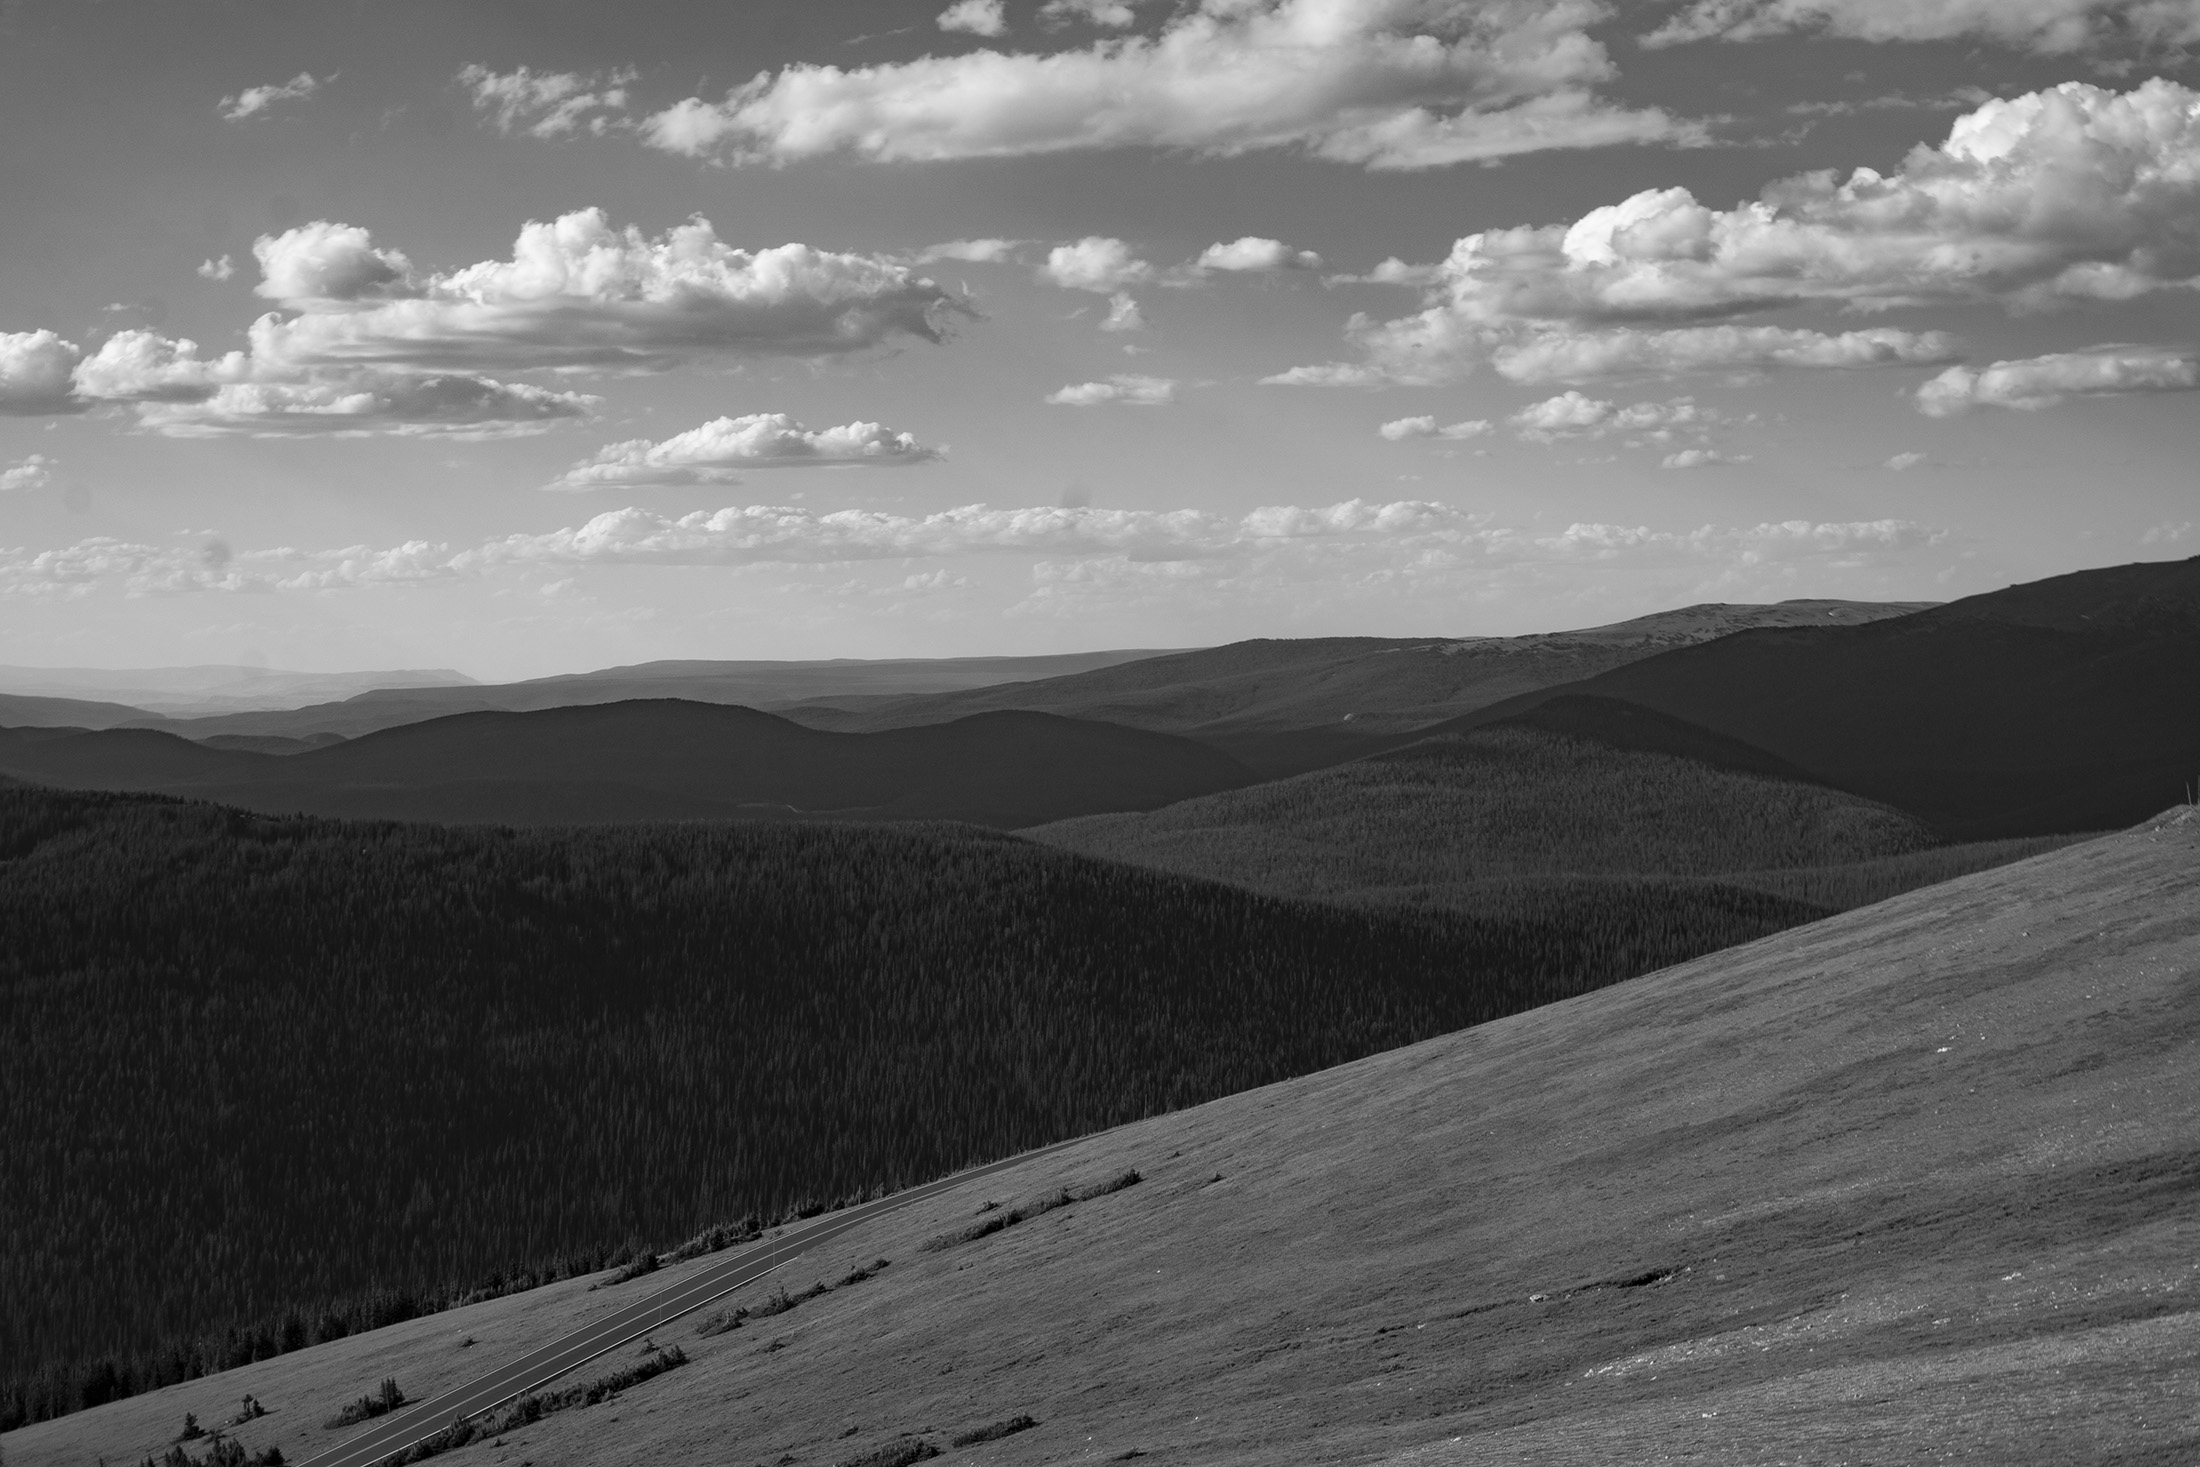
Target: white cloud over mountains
579,293
2068,194
2038,25
549,104
1382,83
717,451
1375,539
2039,382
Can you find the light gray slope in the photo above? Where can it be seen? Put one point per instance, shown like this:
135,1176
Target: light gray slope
213,688
1918,1182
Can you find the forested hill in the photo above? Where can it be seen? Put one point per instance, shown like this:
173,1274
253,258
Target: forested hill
273,1079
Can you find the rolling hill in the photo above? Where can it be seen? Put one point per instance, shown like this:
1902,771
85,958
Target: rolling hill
2061,705
1914,1183
1285,706
654,760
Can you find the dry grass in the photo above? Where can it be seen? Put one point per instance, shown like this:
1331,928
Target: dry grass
1915,1182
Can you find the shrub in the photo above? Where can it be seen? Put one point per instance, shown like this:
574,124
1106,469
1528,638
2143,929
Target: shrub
994,1432
894,1454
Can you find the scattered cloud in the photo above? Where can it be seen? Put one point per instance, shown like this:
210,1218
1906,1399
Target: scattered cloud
34,472
2049,26
1398,430
253,101
1902,463
1114,15
1701,458
1252,254
549,104
349,403
1127,389
1329,374
2072,193
579,293
976,17
971,251
1573,414
1381,83
1123,313
1096,263
716,452
220,269
2169,532
2039,382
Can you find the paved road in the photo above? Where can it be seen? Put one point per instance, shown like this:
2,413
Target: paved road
401,1429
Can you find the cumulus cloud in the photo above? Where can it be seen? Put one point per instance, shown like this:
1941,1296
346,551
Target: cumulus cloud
1575,415
220,269
1902,463
1084,547
1252,254
1123,313
2052,26
1701,458
1096,263
977,17
1398,430
34,472
2038,382
971,251
35,368
1329,374
1382,83
253,101
548,104
145,367
1127,389
2065,194
716,452
348,403
579,293
1114,15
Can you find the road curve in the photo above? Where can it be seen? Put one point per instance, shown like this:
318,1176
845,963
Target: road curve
401,1429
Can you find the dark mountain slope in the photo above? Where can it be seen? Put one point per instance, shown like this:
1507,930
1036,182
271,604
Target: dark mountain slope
276,1080
2067,704
659,759
27,710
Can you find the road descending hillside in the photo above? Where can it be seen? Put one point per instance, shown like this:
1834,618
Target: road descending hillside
1918,1182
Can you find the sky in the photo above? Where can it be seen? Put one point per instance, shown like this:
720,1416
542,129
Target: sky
526,336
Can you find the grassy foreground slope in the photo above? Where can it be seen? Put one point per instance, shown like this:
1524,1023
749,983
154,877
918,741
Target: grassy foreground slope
1914,1183
273,1080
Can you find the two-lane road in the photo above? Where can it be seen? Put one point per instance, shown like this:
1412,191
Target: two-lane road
401,1429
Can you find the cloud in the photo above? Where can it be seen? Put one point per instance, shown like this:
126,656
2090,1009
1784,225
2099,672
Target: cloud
34,472
1381,83
977,17
1397,430
578,293
971,251
1329,374
1125,388
2072,193
2167,533
2039,382
253,101
2052,26
1902,463
35,367
220,269
1254,254
1123,314
350,403
139,366
1572,414
549,104
1701,458
716,451
1084,549
1096,263
1115,15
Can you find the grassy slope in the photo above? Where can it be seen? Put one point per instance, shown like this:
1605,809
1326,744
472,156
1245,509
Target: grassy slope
1919,1179
1458,821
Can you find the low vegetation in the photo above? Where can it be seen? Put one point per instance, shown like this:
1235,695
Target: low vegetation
529,1409
894,1454
992,1433
386,1398
779,1301
1000,1218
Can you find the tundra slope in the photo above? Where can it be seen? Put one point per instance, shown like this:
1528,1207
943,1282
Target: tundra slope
1917,1181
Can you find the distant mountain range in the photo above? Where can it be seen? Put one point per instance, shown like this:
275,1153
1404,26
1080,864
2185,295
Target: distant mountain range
192,692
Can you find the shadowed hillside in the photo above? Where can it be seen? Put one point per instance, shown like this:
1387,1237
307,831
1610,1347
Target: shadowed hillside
275,1080
2066,704
655,760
